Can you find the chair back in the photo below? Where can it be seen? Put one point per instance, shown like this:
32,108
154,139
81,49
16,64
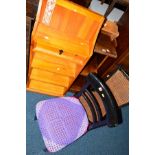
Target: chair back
95,89
118,83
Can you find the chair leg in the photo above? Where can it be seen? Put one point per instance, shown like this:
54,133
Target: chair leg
35,117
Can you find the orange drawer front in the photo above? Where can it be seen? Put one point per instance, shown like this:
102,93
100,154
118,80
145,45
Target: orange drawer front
53,67
62,42
46,88
53,78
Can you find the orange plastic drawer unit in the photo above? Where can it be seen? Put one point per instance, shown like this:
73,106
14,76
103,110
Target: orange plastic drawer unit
62,42
45,76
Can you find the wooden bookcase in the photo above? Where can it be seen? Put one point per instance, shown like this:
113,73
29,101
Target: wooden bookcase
60,47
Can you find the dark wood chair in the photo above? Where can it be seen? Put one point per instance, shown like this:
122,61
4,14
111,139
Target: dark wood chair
118,84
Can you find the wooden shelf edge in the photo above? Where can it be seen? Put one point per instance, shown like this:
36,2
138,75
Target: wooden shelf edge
42,92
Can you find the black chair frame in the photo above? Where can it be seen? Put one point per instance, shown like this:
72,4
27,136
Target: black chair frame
112,111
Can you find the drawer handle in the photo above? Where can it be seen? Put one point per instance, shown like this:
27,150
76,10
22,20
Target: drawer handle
60,52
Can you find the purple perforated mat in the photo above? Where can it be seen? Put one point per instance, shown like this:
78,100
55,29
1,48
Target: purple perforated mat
61,121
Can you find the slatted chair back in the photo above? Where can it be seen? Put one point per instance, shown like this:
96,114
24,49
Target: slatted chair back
95,87
101,98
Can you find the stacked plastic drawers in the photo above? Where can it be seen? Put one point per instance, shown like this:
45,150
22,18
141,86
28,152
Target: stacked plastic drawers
62,42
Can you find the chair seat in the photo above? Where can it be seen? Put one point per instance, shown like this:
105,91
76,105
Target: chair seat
61,121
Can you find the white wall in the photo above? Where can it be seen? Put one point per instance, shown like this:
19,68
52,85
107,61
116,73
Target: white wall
115,14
